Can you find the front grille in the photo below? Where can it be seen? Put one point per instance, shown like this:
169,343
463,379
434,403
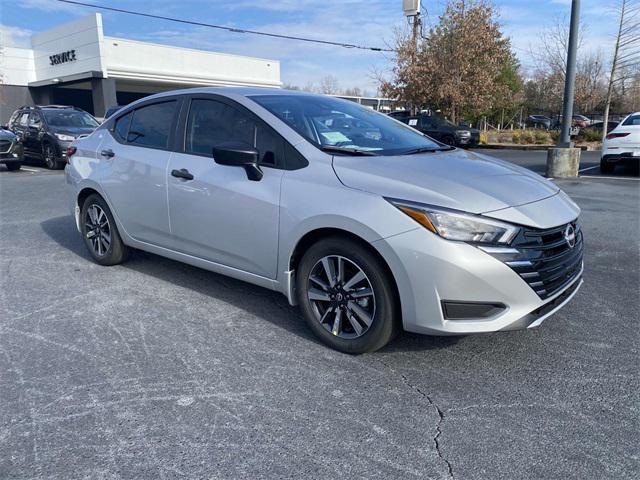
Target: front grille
545,260
5,146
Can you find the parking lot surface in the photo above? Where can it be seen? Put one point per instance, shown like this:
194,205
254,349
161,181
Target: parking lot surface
155,369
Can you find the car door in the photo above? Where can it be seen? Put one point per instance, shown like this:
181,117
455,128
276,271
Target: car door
21,127
33,138
136,155
218,214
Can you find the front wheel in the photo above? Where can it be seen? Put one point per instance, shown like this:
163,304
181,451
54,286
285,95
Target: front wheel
50,158
449,140
100,233
347,296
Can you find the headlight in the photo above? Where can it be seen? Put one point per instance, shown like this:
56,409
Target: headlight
64,138
464,133
458,226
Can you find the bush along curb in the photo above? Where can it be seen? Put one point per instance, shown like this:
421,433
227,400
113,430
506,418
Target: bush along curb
506,146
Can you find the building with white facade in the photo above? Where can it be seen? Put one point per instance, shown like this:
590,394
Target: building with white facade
76,64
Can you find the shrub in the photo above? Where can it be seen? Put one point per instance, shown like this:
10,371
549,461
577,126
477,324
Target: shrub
517,135
555,136
589,135
528,137
541,137
484,138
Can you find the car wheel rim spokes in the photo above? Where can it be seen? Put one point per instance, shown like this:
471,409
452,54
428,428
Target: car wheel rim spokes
341,297
98,230
49,156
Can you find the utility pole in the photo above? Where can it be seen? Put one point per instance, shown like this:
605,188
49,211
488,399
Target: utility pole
564,160
411,9
570,76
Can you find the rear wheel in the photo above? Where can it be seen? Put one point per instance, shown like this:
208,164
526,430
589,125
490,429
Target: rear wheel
346,296
50,157
606,167
13,166
100,233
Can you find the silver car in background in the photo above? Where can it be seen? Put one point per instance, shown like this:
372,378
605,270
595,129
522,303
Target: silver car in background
367,224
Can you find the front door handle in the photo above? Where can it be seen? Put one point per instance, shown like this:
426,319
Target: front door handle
182,173
107,153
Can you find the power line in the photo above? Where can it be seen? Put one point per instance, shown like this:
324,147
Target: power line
229,29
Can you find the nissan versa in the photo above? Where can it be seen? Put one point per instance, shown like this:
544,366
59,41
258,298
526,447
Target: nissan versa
367,224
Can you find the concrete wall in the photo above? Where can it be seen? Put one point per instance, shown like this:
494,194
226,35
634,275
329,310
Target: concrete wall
13,97
16,66
142,61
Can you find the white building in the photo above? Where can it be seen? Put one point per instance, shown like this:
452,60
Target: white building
76,64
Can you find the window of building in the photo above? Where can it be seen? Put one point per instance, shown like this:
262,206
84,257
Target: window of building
151,125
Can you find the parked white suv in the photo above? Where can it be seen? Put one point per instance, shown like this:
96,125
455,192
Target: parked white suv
622,144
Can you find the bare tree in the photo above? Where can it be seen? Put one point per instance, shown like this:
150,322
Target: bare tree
329,85
626,53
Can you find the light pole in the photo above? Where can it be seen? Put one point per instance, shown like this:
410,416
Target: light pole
564,160
570,76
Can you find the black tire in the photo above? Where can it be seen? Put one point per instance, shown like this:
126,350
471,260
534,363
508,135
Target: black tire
13,166
449,140
50,157
385,322
606,167
116,251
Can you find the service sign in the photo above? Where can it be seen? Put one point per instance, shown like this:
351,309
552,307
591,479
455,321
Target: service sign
64,57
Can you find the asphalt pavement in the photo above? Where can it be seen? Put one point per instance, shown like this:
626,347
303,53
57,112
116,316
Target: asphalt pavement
155,369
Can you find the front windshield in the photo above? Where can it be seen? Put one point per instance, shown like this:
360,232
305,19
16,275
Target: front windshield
70,118
336,123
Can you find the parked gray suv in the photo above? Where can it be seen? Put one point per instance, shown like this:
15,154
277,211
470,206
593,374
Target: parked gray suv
369,230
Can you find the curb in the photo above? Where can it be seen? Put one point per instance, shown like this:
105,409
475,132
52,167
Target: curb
502,146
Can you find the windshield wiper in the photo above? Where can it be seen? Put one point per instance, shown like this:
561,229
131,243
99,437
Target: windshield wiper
427,150
347,151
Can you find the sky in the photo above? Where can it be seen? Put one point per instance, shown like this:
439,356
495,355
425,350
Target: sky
363,22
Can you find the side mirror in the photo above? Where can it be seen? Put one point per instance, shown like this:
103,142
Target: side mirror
239,155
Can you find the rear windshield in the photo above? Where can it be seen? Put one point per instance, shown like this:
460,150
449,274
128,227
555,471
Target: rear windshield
328,121
69,118
632,120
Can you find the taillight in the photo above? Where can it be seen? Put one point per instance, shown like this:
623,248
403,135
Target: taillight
70,151
616,135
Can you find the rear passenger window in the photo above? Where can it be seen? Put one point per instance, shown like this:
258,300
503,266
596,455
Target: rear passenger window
121,128
151,125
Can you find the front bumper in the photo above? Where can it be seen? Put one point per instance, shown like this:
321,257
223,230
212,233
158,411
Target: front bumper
13,154
431,272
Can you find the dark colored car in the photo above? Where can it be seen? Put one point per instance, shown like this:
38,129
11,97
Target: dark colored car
599,125
538,121
10,150
400,114
576,121
47,131
111,110
443,130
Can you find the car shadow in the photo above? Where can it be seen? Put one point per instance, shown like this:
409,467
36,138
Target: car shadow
260,302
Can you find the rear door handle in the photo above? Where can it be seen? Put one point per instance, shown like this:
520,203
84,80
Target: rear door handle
107,153
182,173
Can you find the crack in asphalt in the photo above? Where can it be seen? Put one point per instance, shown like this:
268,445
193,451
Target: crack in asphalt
440,413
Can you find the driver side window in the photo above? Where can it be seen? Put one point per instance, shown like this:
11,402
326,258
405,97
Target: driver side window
211,123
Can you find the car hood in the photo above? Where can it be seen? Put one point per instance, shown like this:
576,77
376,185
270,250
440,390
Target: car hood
6,134
457,179
74,131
